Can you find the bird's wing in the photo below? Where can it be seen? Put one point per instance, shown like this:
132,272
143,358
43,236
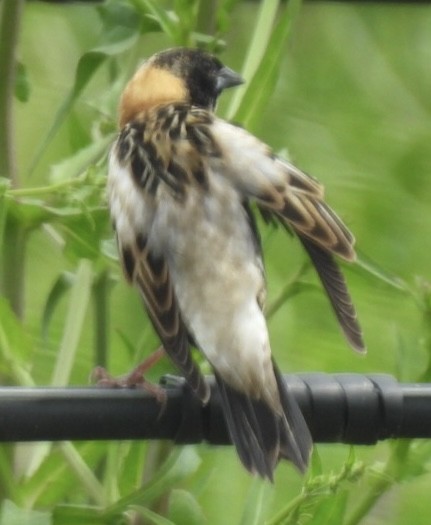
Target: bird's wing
279,188
335,285
143,266
297,201
151,276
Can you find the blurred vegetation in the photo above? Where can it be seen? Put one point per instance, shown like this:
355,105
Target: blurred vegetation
342,90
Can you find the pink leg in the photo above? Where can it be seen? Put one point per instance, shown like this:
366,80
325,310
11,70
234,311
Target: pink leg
135,378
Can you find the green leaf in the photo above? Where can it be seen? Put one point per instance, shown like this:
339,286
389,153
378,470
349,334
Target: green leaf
3,215
52,482
8,482
223,14
120,32
266,18
83,233
262,85
256,504
413,459
316,468
126,344
371,268
109,249
85,475
114,469
184,508
5,184
77,515
29,213
292,288
179,465
151,517
22,84
82,225
87,66
330,510
76,164
74,323
167,21
15,346
351,459
124,467
13,515
58,290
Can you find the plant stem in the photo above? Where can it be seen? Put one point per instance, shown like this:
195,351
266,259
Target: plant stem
8,485
101,318
12,282
285,513
388,478
43,190
13,252
290,289
9,29
266,17
206,19
157,454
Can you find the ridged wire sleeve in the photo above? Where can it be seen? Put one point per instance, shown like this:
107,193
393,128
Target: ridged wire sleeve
341,408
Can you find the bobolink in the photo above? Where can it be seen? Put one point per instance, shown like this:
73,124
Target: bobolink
180,182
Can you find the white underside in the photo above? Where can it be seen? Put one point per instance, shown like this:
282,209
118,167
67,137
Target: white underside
217,277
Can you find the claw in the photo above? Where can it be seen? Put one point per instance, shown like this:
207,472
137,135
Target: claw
134,379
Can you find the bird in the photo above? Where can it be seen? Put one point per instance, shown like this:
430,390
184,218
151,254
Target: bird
184,188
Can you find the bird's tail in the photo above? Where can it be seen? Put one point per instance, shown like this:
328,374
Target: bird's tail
261,434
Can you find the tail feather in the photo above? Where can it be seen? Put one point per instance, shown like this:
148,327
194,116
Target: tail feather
261,434
296,441
336,288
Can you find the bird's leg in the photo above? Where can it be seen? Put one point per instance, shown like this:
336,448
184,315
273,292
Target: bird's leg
134,379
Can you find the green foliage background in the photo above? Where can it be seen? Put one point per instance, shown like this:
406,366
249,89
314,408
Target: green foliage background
343,90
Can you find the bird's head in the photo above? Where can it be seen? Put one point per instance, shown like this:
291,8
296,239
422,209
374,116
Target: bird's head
176,75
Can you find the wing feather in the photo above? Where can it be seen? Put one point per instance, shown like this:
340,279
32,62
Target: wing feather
151,276
294,197
339,297
297,201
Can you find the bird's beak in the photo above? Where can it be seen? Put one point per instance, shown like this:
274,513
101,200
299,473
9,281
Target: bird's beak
227,78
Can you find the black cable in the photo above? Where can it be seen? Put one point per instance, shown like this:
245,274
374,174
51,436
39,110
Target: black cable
308,1
341,408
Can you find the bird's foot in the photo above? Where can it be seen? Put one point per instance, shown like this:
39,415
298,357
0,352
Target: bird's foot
134,379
